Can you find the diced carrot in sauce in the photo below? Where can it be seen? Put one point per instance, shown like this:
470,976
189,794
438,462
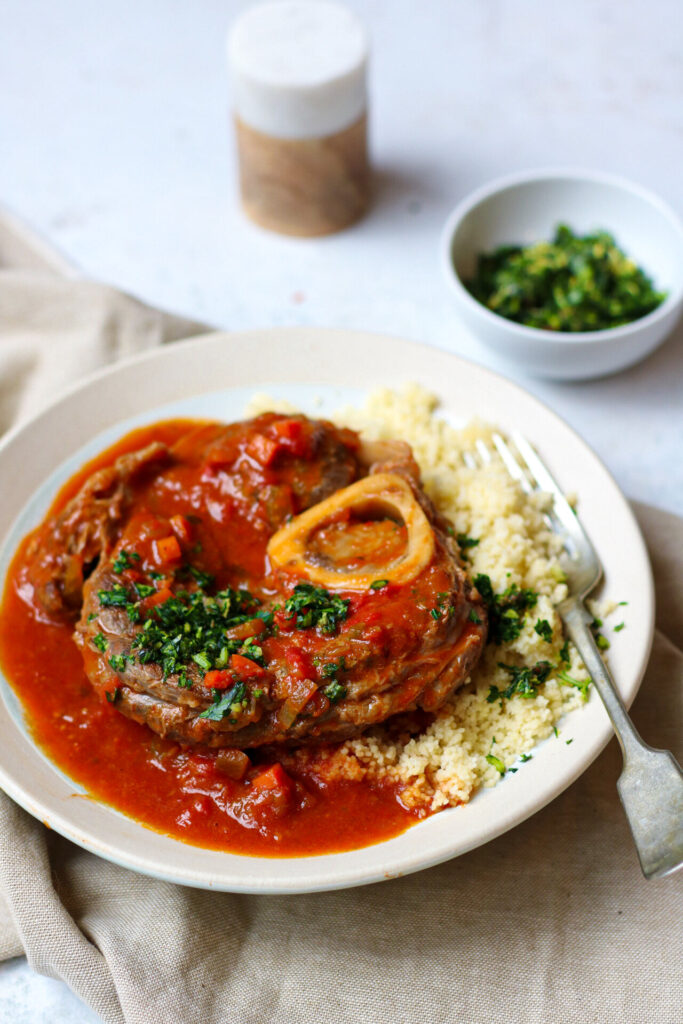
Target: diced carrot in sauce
245,667
274,777
167,549
254,627
289,429
218,679
263,449
133,574
285,623
299,663
292,437
182,527
217,457
155,599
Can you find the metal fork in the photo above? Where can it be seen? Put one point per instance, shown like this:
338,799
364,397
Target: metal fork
651,783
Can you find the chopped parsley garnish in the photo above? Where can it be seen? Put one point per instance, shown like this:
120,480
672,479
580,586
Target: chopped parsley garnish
133,612
202,579
465,542
378,584
572,283
203,660
525,757
618,629
473,617
91,617
564,653
100,642
569,741
112,695
544,630
601,641
334,692
496,762
581,684
267,618
315,607
251,649
228,703
506,610
124,560
117,597
330,669
191,627
189,632
524,681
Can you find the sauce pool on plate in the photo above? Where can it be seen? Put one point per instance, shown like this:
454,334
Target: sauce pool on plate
179,790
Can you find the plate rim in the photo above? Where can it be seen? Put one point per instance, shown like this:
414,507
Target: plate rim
332,878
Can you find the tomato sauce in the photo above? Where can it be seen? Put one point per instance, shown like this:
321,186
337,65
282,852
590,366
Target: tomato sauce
164,785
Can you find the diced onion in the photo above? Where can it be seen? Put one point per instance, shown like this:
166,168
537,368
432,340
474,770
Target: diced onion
233,763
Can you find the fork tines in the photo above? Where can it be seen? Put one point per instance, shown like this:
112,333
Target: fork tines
525,466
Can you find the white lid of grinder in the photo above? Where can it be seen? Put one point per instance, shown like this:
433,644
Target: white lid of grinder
298,68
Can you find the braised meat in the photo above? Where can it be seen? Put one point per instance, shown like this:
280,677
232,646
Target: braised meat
67,547
313,460
274,581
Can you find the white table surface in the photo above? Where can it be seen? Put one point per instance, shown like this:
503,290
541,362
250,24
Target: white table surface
114,143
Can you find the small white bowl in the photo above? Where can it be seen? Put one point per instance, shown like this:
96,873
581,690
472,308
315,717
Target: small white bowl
525,208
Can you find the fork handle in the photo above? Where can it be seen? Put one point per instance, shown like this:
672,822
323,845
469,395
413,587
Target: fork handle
651,784
577,620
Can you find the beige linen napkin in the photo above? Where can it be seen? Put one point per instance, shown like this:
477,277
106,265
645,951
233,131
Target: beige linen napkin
552,922
56,327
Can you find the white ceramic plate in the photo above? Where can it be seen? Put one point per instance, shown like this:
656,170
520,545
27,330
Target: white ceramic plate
319,370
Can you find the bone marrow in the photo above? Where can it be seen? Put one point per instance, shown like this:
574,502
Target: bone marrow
384,495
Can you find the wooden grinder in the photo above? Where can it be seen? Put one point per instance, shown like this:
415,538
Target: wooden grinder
298,72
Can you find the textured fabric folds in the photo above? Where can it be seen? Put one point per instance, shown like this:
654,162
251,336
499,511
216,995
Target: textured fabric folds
551,922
